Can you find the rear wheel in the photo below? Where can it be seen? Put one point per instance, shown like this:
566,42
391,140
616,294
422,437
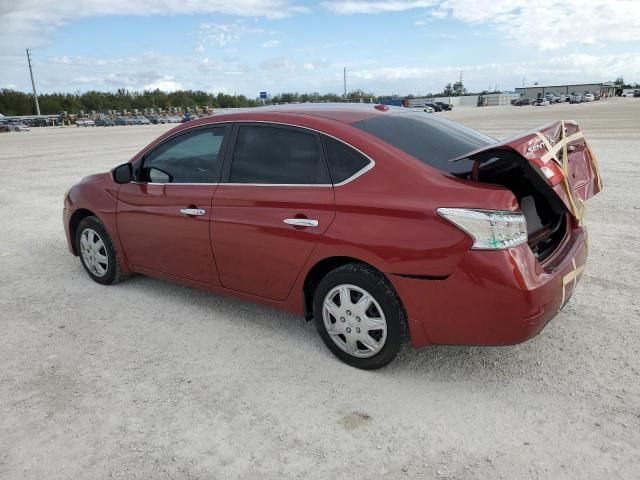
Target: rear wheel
97,254
359,316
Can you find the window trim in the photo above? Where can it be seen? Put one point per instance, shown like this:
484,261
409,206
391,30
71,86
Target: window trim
222,153
228,151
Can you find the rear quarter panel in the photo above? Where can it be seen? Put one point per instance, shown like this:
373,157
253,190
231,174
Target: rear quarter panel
387,217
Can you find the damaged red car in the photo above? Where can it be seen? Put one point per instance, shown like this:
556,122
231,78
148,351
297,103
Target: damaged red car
382,225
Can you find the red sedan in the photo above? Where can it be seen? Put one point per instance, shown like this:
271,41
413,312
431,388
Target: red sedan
382,225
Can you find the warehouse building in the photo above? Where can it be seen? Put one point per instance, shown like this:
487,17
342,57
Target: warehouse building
536,91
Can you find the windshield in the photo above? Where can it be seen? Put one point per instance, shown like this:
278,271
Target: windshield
430,139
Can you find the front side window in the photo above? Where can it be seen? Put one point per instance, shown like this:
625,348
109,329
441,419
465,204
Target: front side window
190,158
275,155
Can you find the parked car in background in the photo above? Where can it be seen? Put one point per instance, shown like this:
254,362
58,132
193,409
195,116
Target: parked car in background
435,106
121,121
16,126
174,119
423,108
85,122
483,245
575,98
520,102
445,106
588,97
541,102
629,92
104,122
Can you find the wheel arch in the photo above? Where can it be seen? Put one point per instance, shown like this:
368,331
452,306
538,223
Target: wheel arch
74,221
318,272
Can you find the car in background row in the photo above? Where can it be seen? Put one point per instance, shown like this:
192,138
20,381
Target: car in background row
423,108
575,98
85,122
588,97
482,244
13,126
520,102
541,102
445,106
104,122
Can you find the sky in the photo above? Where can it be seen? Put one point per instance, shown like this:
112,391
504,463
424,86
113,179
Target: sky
248,46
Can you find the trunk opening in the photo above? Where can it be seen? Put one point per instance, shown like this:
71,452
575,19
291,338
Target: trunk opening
546,215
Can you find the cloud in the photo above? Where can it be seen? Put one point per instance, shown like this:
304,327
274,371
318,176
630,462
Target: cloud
279,64
569,68
350,7
219,34
167,84
271,44
32,22
544,24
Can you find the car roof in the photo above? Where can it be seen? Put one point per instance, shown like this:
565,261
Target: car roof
341,112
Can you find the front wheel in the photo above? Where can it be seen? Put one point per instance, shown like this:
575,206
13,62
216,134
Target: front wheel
359,316
97,254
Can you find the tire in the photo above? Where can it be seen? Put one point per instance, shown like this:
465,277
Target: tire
95,234
353,281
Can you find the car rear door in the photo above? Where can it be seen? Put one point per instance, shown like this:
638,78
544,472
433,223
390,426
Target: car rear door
163,216
275,203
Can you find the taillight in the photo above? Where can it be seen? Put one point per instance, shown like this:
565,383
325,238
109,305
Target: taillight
550,169
490,229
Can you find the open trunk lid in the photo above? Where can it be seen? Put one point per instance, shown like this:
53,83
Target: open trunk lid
559,153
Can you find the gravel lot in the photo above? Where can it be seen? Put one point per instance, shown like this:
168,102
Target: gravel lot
148,379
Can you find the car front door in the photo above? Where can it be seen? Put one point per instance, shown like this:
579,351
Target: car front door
274,205
163,216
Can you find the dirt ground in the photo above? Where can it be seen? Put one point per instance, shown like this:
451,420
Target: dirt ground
148,379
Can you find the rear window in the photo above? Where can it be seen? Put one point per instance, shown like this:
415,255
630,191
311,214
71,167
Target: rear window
428,138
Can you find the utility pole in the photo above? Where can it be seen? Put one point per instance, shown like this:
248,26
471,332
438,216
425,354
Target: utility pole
33,84
344,73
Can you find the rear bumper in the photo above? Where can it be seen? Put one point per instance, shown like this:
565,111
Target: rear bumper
492,297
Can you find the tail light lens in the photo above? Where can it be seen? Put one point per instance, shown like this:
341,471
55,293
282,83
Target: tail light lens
490,229
550,170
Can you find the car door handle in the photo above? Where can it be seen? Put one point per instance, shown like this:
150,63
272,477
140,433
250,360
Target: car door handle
193,211
301,222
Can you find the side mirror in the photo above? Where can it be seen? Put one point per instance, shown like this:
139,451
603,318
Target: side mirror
122,173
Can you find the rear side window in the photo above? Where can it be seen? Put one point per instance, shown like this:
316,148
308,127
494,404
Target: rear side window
274,155
344,161
189,158
428,138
